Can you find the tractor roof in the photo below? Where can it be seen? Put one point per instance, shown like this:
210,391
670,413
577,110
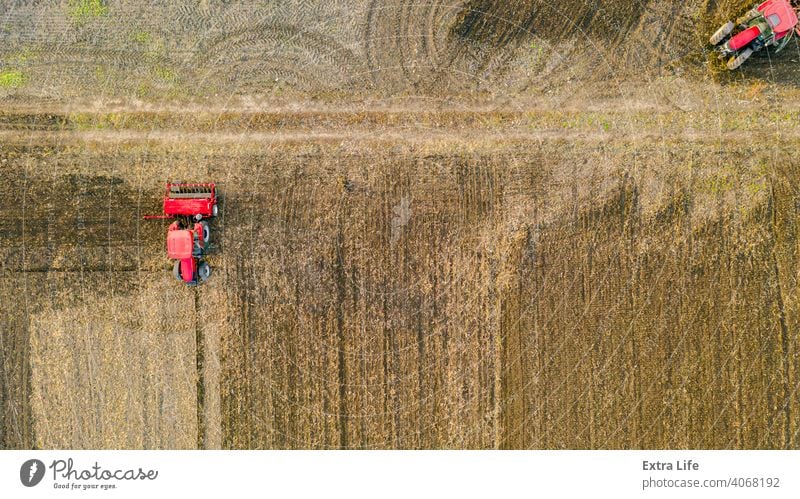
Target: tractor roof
179,244
779,14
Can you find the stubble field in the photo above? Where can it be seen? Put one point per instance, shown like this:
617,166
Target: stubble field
443,225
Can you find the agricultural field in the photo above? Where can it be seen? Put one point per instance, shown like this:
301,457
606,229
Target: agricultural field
461,224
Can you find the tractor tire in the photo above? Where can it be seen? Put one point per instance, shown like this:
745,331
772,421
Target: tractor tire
736,62
721,33
203,271
176,271
206,232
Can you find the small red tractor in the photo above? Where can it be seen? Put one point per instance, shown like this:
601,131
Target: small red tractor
189,235
770,24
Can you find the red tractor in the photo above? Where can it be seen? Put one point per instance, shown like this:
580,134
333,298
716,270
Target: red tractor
189,235
770,24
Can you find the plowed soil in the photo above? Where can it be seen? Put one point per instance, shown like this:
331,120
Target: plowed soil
443,224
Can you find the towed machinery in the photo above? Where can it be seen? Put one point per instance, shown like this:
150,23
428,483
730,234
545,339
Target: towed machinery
770,24
189,235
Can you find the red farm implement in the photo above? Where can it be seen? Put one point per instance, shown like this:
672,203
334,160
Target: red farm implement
770,24
189,235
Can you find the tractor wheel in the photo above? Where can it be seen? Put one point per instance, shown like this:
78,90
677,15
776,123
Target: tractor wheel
206,232
214,211
176,271
737,61
203,271
721,33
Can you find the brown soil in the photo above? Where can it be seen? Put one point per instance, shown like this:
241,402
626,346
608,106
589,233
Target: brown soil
446,224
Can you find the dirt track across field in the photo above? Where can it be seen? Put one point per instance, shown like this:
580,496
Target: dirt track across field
444,224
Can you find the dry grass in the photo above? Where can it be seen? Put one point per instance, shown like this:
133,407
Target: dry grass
602,294
343,50
556,232
112,369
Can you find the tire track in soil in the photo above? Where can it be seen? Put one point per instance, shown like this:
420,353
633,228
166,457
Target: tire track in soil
368,37
16,419
379,44
207,345
199,342
403,43
401,38
251,75
270,45
663,35
387,42
320,48
340,278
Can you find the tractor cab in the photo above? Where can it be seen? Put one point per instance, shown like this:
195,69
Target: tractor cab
186,247
780,16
